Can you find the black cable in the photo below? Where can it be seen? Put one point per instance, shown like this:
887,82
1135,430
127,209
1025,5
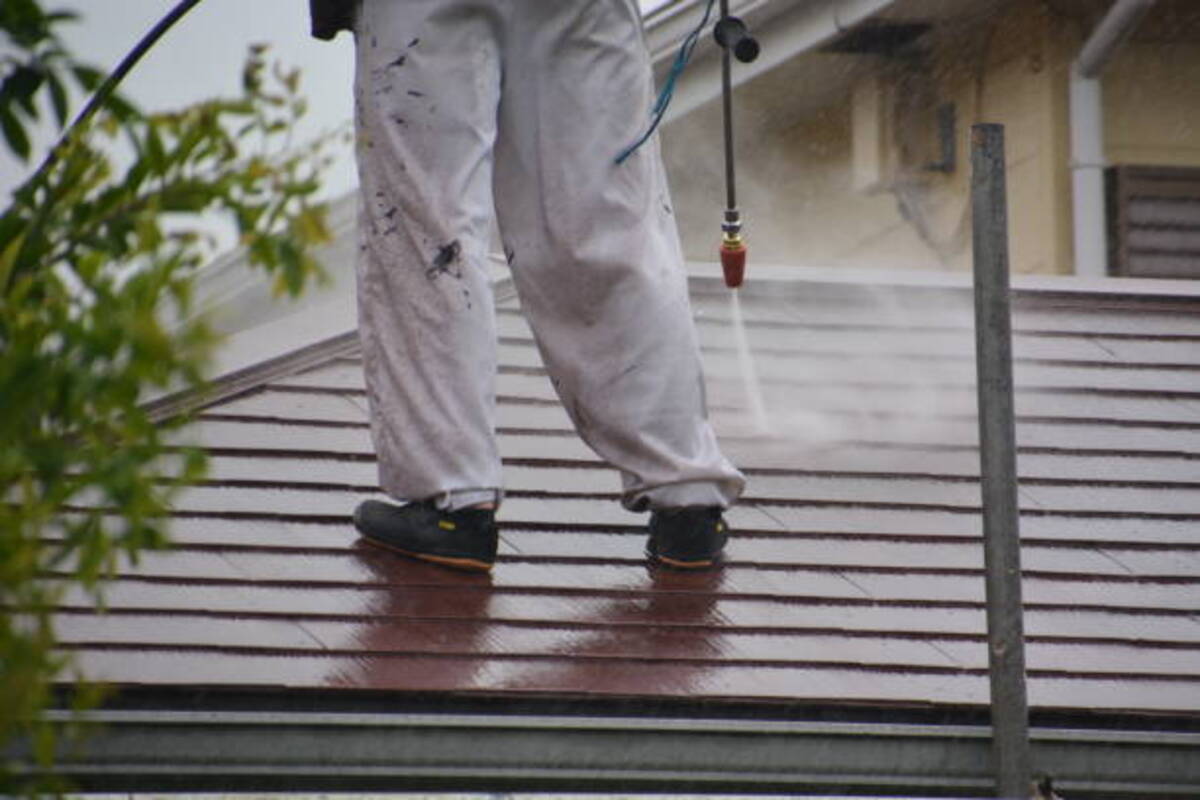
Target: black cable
106,89
101,96
668,90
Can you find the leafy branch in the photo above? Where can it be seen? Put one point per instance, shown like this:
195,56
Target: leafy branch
98,252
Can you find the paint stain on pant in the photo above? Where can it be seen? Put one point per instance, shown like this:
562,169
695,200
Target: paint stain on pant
446,262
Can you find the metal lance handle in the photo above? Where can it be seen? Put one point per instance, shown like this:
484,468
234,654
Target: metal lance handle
735,41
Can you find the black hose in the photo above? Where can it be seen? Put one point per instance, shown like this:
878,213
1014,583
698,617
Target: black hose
105,90
101,96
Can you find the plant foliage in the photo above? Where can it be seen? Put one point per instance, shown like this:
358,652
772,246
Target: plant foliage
98,249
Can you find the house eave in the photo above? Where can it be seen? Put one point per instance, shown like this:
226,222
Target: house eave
784,28
320,750
1077,285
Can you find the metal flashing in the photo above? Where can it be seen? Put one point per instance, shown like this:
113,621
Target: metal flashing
240,751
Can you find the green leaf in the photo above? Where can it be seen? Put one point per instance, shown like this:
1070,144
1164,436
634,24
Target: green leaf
156,156
8,259
20,86
89,78
310,226
185,197
121,108
61,16
58,98
14,133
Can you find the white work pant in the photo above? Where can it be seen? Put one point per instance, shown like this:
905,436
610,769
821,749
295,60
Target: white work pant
466,105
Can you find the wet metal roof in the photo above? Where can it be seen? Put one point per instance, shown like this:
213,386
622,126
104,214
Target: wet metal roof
854,578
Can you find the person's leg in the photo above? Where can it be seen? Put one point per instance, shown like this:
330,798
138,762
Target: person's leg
426,94
595,253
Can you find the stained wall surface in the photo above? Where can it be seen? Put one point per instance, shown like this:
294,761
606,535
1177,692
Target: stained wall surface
1006,63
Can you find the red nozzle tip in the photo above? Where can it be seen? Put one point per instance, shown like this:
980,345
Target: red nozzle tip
733,263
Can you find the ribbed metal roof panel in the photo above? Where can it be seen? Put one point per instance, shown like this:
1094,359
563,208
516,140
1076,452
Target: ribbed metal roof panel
855,575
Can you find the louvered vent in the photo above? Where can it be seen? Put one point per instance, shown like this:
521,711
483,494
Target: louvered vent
1154,219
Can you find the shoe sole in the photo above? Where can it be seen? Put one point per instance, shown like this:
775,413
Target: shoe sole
675,563
462,564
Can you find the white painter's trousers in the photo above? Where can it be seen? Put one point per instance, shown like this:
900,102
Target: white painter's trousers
462,103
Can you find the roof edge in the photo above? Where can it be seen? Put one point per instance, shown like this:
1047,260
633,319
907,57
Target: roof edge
251,377
785,28
456,752
282,347
1083,286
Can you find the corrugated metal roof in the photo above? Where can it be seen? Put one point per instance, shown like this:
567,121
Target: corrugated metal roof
855,575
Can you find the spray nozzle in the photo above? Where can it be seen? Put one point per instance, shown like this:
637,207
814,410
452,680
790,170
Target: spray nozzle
733,249
733,261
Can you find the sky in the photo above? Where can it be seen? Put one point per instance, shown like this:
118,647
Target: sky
202,55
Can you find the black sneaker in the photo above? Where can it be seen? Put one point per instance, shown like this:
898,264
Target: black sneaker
464,539
687,538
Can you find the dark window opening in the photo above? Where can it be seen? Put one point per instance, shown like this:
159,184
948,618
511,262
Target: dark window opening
1154,221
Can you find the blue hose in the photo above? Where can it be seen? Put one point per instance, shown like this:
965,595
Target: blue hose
668,89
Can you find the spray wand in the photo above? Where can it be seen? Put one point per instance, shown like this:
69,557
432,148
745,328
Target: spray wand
736,42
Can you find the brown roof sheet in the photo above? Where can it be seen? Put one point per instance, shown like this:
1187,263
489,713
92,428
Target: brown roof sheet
855,576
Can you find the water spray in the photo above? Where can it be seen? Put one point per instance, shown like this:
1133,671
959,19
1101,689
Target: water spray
736,42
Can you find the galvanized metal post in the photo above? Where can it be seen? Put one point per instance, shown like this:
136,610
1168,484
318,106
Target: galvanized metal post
998,463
